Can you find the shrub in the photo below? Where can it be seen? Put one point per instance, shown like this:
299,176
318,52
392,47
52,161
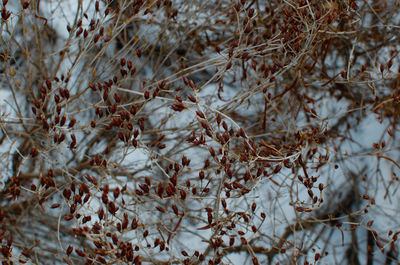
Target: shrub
199,132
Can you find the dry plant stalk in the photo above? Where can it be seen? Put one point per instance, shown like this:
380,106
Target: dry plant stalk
199,132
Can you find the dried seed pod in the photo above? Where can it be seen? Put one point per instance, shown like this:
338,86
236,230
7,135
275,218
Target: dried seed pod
192,98
200,114
117,98
55,205
72,123
34,152
134,224
68,217
63,120
223,202
48,84
175,209
183,194
69,250
212,151
122,62
146,94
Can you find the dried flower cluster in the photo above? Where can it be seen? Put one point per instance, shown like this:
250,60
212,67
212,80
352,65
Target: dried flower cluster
199,132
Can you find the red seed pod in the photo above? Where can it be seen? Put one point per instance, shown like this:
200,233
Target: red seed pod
79,32
125,222
225,126
191,84
86,199
141,123
223,202
175,209
57,119
134,224
231,241
200,114
122,62
105,95
160,209
77,199
69,250
129,65
45,125
185,80
96,38
379,245
93,124
68,217
48,84
72,123
183,194
104,198
363,68
117,98
34,152
253,207
101,214
145,188
389,64
55,205
211,150
192,98
116,192
61,138
241,133
67,194
139,53
255,261
63,120
277,168
219,118
201,175
146,94
209,217
73,139
133,110
80,252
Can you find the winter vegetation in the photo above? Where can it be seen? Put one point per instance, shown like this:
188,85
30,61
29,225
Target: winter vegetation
199,132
